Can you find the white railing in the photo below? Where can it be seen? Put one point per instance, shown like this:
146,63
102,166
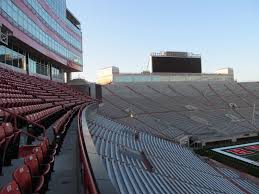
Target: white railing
3,37
175,54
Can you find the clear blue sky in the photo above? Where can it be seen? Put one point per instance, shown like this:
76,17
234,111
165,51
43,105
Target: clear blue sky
124,32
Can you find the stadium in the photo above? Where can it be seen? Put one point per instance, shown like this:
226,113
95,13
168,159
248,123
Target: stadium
173,129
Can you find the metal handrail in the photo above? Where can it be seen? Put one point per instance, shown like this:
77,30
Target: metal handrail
25,133
89,182
25,119
96,168
40,138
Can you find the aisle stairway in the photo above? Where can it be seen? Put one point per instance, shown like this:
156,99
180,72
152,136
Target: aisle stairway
66,175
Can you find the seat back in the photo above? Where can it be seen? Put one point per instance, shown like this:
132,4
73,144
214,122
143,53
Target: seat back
32,162
2,147
2,137
3,116
38,152
11,188
23,179
8,128
44,148
46,140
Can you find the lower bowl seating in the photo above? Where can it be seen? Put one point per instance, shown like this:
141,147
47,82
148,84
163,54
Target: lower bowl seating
30,108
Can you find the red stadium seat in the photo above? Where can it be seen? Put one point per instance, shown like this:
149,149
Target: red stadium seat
38,116
23,178
45,167
32,162
9,138
37,179
2,147
38,152
11,188
59,129
42,155
25,150
3,116
2,138
8,128
12,138
48,157
42,102
51,149
28,183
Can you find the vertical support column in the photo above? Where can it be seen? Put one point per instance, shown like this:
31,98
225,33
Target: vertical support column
27,62
69,76
50,71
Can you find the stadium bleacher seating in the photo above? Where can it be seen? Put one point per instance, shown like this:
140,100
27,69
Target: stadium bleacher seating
203,110
30,108
176,169
134,136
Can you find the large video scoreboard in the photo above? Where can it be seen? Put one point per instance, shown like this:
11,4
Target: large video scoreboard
175,64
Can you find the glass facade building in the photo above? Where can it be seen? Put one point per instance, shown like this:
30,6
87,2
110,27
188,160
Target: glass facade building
43,37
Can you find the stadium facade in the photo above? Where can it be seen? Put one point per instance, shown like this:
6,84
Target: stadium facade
40,38
166,66
139,138
113,75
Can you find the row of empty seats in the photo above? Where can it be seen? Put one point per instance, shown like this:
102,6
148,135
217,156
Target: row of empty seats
42,114
31,173
21,110
203,110
174,169
29,108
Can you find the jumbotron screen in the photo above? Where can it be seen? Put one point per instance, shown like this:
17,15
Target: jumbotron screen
176,65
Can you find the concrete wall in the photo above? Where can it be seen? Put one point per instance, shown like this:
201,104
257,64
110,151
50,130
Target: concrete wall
124,78
105,75
104,79
225,71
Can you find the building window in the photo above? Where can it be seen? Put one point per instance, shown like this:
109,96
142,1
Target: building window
11,57
31,28
57,73
38,66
